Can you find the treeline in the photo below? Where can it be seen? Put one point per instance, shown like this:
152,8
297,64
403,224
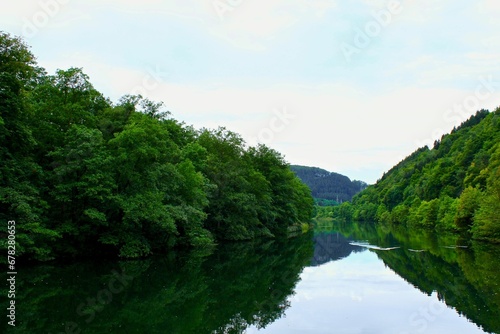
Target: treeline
81,175
328,188
453,186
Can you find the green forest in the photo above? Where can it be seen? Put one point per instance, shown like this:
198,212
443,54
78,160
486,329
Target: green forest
328,188
82,175
453,186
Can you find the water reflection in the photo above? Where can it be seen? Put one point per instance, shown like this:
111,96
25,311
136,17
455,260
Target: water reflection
239,285
371,279
344,278
465,276
331,246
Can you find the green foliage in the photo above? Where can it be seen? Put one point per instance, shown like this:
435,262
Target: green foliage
468,204
487,218
81,176
20,175
447,213
325,202
452,186
344,211
254,192
328,188
399,214
426,214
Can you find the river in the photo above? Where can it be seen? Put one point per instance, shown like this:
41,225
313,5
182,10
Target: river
340,278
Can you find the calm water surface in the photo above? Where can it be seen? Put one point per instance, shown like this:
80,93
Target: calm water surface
350,278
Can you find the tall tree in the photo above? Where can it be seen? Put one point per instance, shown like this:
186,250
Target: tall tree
19,174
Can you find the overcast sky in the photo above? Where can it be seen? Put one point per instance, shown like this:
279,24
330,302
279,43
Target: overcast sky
350,86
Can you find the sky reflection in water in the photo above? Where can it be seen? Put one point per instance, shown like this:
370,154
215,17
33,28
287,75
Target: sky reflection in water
360,294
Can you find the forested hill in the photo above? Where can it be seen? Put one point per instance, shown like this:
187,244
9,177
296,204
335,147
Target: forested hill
453,186
80,175
328,185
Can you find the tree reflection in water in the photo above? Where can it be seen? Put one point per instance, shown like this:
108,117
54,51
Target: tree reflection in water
239,285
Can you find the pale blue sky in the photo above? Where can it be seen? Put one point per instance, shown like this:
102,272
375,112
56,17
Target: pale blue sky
276,71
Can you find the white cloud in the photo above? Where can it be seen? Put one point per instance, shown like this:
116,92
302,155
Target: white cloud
422,11
489,5
484,56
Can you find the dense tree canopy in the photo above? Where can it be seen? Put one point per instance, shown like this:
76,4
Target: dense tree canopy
328,187
80,174
453,186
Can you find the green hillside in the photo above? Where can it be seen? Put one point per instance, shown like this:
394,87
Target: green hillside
80,175
328,187
453,186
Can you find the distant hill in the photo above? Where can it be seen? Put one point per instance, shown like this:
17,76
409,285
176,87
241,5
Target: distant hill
327,186
332,247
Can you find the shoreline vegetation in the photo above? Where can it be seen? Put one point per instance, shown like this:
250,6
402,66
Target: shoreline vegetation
454,186
82,176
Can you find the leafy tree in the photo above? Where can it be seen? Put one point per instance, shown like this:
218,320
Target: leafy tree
20,175
147,188
399,214
468,203
487,218
292,200
60,101
447,213
83,186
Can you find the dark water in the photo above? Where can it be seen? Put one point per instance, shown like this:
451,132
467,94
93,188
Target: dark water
353,278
